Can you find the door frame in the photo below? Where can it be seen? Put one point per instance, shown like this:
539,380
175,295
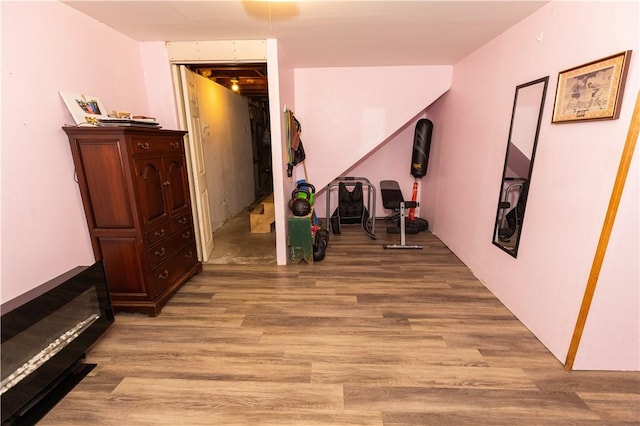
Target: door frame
247,51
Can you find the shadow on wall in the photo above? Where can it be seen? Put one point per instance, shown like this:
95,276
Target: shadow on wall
271,11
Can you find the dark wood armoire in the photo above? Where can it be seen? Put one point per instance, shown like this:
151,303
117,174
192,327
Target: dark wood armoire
135,190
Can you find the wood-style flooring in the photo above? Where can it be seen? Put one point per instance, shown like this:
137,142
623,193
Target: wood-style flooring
366,337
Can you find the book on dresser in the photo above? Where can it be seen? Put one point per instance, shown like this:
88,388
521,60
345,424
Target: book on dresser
135,192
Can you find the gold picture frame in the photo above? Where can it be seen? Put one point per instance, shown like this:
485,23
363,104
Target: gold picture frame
591,91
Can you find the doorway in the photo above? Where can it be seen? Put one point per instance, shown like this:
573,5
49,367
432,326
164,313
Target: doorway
250,81
231,138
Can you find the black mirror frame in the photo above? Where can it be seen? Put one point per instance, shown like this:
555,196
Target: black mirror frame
495,240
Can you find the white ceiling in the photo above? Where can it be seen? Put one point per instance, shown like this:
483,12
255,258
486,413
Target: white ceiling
324,33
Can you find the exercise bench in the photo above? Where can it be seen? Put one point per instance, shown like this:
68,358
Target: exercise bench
392,199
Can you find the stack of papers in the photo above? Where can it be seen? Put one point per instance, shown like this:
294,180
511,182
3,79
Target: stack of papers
127,122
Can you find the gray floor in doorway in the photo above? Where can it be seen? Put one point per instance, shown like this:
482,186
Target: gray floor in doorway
234,244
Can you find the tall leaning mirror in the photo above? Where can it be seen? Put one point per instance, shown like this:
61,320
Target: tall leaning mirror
526,117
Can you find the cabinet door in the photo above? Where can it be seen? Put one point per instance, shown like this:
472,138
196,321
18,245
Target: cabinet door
177,184
122,265
106,192
150,183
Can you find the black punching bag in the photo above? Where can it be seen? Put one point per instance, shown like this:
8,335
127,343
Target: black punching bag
421,145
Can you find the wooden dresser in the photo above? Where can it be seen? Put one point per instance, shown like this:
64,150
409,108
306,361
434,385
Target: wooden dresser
135,191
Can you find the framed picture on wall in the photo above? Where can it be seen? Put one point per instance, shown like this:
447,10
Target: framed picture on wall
591,91
84,109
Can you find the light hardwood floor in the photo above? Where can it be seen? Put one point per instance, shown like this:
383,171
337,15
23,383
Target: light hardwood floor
365,337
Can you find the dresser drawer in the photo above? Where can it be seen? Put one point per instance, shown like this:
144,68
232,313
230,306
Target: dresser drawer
163,275
143,145
169,246
181,222
186,234
158,232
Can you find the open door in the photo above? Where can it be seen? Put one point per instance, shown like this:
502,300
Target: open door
196,152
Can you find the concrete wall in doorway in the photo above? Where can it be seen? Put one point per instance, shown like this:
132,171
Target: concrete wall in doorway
226,136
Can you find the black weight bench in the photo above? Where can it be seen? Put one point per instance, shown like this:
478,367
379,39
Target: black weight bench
392,199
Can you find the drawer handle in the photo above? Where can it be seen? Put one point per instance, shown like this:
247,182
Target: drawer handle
161,252
143,145
164,275
174,145
160,233
186,235
189,255
166,183
183,221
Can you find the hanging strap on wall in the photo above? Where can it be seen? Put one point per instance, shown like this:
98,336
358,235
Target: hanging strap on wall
295,150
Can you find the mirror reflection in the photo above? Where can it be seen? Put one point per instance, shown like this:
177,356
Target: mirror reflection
526,116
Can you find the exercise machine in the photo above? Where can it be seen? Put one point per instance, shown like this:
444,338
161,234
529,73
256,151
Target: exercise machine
351,207
393,199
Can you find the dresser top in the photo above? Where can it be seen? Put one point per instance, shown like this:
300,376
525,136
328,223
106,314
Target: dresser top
75,130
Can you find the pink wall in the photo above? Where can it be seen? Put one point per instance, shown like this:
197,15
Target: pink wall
610,337
159,84
574,170
346,113
48,47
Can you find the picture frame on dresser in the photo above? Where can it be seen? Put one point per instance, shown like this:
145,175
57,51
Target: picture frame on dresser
85,109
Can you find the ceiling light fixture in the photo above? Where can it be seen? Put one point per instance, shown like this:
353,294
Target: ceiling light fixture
234,84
